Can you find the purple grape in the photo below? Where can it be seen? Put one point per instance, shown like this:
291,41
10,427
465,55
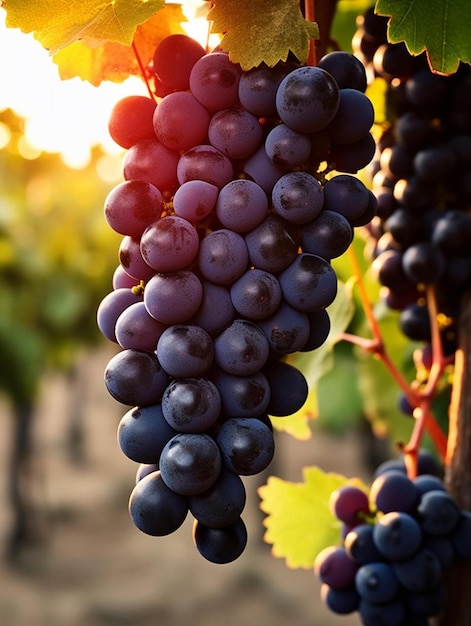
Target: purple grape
185,351
223,256
334,567
241,205
134,377
173,297
170,244
111,307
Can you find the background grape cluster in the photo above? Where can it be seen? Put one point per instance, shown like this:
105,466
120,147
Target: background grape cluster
230,216
397,542
421,178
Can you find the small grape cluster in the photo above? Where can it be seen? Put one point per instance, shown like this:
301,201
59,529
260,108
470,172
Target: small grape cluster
229,224
421,178
397,542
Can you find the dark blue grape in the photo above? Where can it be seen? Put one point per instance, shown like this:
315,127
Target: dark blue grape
307,99
221,504
427,482
256,294
246,444
329,235
423,262
397,535
319,329
190,463
298,197
347,69
422,572
288,388
258,86
340,601
220,545
309,283
387,614
286,147
242,396
144,469
376,583
287,330
438,512
394,491
427,464
154,508
347,195
426,604
442,548
241,349
143,433
360,545
271,246
352,157
354,117
191,405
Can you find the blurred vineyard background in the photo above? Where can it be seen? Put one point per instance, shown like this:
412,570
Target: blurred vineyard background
69,553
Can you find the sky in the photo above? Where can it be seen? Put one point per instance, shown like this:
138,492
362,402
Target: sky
67,117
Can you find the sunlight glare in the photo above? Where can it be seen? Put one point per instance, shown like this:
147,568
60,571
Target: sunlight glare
67,117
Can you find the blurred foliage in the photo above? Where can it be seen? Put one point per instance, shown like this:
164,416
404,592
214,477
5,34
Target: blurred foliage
57,256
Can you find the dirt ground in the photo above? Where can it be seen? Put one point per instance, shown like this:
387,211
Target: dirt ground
93,568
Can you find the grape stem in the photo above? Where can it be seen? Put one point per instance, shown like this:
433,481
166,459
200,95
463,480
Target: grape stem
311,17
419,397
143,71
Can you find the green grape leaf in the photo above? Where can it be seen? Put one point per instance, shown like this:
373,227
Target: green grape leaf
257,31
299,522
114,61
56,24
439,26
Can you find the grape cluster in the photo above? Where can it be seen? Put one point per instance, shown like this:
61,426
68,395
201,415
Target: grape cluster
229,222
397,542
421,178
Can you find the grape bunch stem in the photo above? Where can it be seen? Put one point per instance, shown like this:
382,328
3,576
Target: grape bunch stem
420,398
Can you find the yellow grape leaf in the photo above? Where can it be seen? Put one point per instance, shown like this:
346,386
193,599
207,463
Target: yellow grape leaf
257,31
299,522
112,61
56,24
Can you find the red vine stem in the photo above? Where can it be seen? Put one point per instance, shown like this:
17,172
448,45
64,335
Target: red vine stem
142,70
310,15
421,399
